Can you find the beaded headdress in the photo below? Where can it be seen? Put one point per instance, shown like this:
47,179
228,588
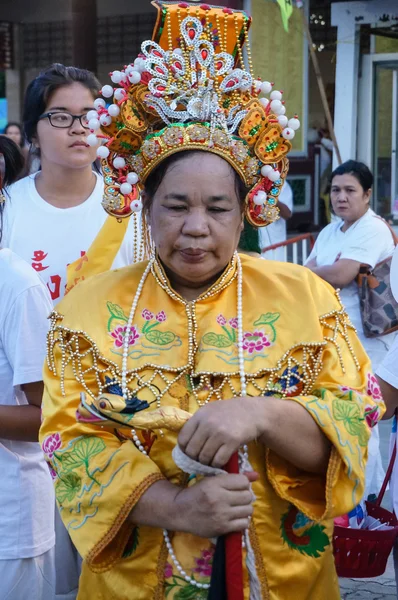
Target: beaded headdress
189,90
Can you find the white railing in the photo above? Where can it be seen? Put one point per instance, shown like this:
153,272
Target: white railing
295,250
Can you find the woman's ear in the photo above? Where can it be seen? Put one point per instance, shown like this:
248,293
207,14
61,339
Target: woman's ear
368,195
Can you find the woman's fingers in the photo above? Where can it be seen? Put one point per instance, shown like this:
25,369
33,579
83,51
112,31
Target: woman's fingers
243,498
186,433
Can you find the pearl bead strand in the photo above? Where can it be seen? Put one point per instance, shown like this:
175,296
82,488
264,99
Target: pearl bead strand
126,341
244,453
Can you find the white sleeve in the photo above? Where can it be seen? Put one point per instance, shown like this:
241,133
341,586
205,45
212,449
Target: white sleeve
125,254
388,368
286,196
24,334
313,253
368,243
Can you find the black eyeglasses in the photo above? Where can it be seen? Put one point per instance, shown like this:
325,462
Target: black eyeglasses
63,120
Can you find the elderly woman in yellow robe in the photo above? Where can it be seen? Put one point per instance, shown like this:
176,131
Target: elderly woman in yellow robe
158,374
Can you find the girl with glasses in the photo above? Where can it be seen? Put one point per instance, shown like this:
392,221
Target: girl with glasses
53,216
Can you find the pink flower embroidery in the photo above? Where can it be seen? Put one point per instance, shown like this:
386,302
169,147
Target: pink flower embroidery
53,473
204,563
233,323
373,389
119,333
344,388
51,444
221,320
372,415
147,315
255,342
168,571
161,316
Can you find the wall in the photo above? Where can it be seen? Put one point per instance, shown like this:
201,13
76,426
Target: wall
278,56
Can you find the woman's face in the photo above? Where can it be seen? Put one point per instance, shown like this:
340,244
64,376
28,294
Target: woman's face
349,200
196,219
13,132
66,147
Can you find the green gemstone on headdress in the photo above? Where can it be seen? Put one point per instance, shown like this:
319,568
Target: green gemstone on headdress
271,146
119,125
254,130
126,146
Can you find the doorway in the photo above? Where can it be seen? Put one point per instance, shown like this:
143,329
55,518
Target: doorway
385,138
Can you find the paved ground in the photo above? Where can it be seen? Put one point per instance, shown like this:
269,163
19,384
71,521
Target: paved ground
379,588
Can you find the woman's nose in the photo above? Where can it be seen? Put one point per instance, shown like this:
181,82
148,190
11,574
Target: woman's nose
196,224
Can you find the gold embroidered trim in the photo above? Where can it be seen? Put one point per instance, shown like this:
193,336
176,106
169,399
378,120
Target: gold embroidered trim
162,559
260,568
206,386
120,521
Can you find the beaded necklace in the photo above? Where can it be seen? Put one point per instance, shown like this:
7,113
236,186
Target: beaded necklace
125,391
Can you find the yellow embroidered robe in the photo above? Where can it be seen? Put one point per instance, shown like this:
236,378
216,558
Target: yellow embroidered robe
298,344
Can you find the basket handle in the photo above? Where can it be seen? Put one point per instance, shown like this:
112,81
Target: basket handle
389,470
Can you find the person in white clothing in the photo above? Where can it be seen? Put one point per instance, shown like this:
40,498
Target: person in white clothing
276,232
358,237
53,216
387,375
27,538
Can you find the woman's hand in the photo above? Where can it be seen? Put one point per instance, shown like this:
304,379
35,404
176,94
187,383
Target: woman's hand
215,506
219,429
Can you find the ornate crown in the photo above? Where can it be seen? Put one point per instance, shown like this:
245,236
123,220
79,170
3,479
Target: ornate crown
189,90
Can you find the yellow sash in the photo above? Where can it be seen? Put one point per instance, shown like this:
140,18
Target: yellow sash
101,254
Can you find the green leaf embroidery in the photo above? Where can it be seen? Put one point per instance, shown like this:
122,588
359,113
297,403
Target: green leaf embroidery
70,461
67,487
87,447
116,311
217,339
349,413
190,592
345,411
267,319
160,338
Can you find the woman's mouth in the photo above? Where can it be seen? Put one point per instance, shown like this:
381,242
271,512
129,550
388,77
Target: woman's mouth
80,144
193,254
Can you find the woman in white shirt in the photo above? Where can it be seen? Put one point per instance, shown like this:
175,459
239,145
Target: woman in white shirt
358,237
54,215
27,568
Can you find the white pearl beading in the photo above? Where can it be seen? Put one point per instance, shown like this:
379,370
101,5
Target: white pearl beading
243,455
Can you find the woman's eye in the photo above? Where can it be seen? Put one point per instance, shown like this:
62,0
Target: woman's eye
177,207
217,209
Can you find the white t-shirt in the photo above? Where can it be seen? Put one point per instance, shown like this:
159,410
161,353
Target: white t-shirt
26,490
388,370
368,241
50,238
276,232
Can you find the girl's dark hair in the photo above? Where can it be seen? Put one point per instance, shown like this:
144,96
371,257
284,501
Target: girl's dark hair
358,170
44,85
14,163
15,124
156,177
